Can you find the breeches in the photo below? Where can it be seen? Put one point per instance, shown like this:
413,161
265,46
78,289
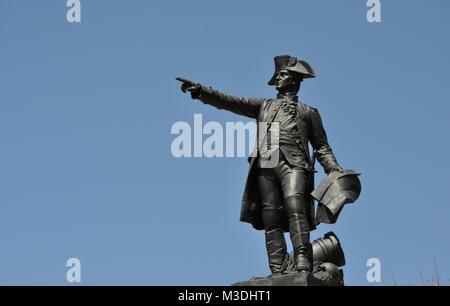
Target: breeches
276,184
279,183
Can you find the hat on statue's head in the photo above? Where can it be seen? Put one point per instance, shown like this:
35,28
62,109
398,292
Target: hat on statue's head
286,62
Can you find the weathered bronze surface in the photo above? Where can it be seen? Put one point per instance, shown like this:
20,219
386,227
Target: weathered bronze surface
278,199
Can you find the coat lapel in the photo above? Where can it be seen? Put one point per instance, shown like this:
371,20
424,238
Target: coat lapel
273,112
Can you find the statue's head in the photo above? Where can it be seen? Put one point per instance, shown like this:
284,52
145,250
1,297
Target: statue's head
287,81
289,73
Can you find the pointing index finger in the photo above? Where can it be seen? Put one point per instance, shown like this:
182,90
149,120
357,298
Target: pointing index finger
183,80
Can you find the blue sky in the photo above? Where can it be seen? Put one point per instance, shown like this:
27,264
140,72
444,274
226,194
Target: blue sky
86,110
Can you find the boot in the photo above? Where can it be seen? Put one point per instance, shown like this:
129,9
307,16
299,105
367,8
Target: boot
275,242
297,210
276,251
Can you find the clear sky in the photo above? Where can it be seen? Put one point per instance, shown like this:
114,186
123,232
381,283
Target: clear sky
86,111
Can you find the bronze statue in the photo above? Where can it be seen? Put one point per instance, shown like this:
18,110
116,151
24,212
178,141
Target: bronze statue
279,199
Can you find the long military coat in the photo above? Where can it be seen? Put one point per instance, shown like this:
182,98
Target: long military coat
309,126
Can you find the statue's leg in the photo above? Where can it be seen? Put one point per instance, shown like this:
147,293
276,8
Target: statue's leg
273,220
293,182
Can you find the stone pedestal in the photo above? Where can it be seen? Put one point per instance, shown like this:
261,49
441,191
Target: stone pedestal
324,274
292,279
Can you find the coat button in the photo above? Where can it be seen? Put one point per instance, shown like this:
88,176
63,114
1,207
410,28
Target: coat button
297,141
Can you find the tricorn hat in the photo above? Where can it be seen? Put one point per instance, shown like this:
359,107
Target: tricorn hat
286,62
335,191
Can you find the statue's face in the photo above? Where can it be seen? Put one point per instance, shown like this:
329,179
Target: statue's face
284,81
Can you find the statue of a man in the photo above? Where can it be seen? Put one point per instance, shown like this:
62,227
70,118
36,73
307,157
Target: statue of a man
278,199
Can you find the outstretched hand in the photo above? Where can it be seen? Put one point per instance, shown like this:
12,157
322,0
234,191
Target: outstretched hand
192,87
